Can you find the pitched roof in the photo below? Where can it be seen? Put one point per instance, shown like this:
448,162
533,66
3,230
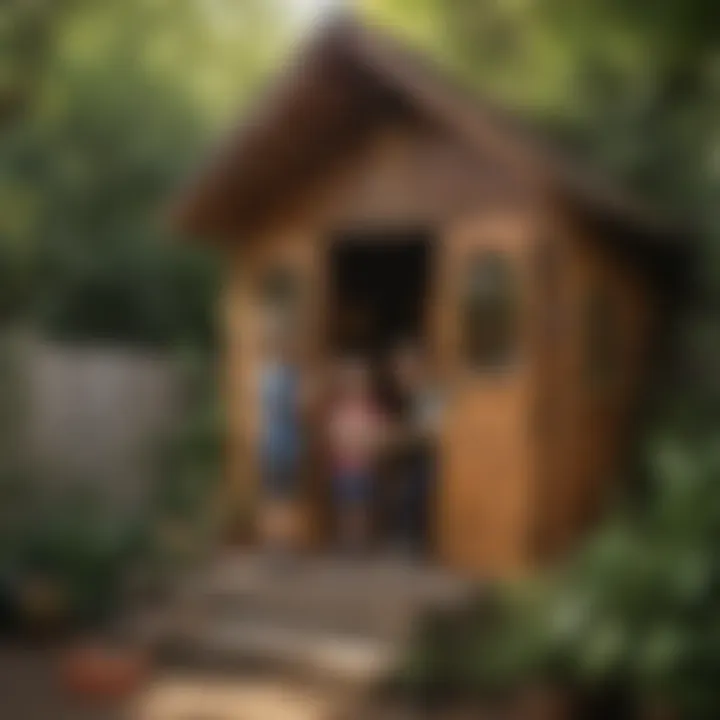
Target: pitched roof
340,81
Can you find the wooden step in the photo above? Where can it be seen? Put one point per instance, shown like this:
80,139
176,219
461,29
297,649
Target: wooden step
380,599
322,617
256,646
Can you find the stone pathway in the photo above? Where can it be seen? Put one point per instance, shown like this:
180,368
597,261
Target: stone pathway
344,619
29,690
206,698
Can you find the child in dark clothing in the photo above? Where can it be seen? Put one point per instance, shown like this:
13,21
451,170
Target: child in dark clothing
422,415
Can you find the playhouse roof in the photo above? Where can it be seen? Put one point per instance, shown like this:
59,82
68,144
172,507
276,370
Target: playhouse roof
343,80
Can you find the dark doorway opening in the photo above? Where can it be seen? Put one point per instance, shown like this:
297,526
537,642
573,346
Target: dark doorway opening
380,297
380,284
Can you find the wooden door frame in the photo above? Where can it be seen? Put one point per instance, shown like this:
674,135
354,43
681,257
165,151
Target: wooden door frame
430,236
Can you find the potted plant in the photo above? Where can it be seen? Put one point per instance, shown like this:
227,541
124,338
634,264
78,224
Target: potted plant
103,670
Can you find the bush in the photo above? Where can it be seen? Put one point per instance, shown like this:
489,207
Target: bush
635,613
67,549
184,503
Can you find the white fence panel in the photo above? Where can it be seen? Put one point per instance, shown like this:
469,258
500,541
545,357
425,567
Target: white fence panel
99,415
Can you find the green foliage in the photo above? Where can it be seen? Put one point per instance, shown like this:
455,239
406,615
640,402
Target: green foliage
70,540
26,38
184,502
641,601
131,91
634,611
100,266
192,465
90,554
633,84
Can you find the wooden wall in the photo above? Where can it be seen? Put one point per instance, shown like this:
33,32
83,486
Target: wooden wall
405,174
584,423
529,455
243,352
487,493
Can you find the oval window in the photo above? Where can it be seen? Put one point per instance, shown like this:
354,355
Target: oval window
489,322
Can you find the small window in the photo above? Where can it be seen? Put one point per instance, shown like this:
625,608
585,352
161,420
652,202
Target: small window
280,289
489,322
602,341
279,296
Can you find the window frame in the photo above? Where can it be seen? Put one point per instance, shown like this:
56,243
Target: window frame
499,351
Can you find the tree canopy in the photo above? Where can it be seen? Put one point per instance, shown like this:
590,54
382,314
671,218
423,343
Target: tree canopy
112,103
104,107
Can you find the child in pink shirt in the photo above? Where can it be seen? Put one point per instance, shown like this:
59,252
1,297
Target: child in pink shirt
355,430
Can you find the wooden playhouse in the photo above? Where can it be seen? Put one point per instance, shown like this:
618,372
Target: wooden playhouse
374,200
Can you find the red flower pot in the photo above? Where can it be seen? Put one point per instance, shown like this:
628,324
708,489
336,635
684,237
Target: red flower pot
98,672
543,702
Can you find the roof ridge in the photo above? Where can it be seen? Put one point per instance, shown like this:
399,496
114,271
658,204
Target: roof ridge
345,37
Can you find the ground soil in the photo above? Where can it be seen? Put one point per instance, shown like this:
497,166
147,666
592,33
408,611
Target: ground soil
30,690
